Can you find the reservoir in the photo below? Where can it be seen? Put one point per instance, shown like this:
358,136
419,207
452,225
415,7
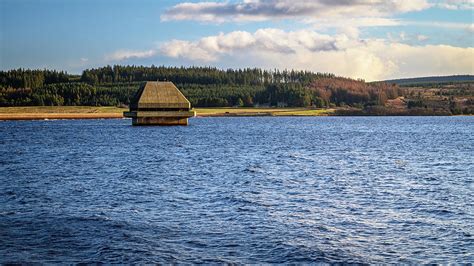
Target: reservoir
238,190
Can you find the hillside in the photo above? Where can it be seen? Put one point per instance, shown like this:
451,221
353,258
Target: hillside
212,87
430,81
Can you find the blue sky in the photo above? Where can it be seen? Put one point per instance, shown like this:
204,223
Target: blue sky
361,39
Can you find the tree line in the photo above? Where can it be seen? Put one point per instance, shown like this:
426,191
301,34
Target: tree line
203,86
197,75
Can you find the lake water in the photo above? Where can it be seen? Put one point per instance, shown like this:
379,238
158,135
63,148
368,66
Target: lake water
244,190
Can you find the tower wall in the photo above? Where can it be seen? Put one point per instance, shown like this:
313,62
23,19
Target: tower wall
160,121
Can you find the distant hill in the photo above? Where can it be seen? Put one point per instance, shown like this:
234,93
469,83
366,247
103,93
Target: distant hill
432,80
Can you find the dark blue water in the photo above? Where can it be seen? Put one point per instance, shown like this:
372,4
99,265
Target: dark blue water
244,190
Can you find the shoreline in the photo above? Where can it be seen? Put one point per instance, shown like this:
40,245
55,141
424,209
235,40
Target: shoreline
87,112
50,116
73,116
26,117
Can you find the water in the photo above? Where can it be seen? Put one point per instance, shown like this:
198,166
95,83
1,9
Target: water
261,190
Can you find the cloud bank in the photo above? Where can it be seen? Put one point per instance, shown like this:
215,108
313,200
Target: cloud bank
370,59
274,41
258,10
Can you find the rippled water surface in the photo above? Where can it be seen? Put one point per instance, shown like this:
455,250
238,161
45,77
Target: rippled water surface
269,190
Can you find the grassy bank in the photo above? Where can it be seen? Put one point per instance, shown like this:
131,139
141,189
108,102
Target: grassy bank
87,112
90,112
59,112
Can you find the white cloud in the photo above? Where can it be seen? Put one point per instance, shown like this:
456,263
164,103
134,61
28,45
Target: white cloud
188,50
430,60
353,22
404,37
360,22
258,10
470,28
129,54
371,59
456,4
264,40
422,38
437,24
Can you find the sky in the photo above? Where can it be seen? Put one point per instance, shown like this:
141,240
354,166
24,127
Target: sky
366,39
